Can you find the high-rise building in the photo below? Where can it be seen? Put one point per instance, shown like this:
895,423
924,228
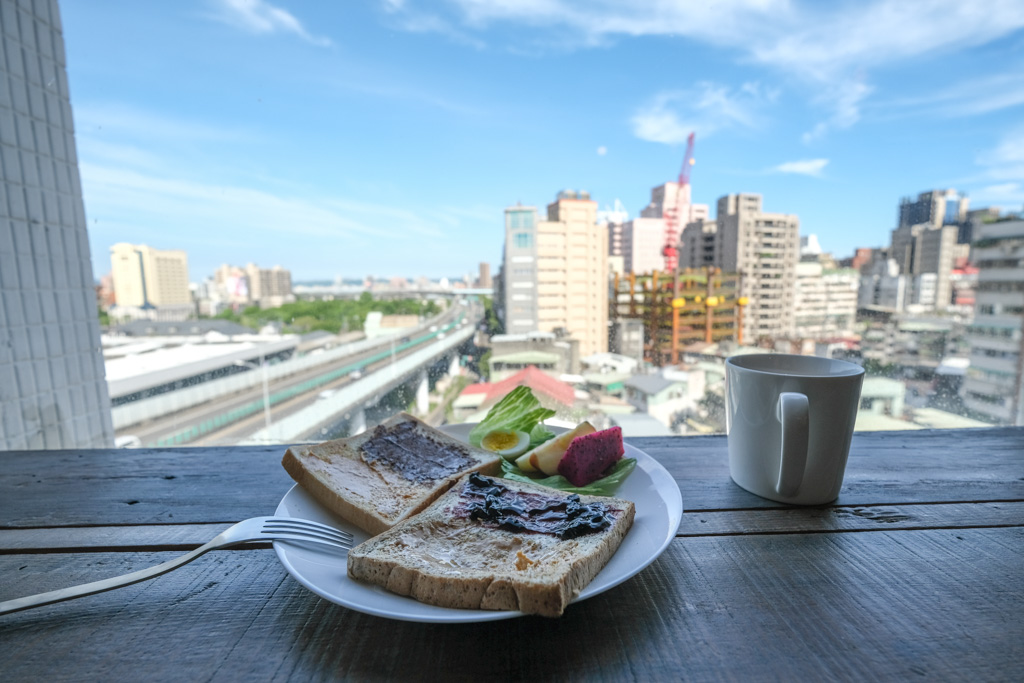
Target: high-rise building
485,276
763,248
519,270
927,241
52,389
826,301
934,208
556,271
643,239
147,278
994,385
668,196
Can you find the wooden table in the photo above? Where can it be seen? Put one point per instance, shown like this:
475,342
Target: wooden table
916,572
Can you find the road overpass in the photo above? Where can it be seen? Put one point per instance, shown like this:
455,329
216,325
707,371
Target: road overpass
222,411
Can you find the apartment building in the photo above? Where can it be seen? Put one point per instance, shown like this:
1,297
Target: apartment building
556,271
53,393
994,385
825,301
269,287
763,248
925,249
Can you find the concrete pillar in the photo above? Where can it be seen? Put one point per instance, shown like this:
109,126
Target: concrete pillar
357,424
454,367
423,394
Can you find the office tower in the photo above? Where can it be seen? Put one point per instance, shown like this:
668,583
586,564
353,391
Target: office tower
52,389
556,271
485,276
933,232
519,270
994,385
826,301
763,248
934,208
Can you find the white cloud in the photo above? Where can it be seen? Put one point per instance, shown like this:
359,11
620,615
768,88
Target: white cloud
1002,181
120,122
827,46
978,95
602,150
810,167
671,116
260,17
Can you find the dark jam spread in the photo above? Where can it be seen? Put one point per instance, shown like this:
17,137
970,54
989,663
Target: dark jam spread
564,517
413,454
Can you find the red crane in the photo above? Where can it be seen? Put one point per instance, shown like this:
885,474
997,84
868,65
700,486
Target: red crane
671,214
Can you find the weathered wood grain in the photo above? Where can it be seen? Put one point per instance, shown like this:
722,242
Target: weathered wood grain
204,485
939,605
185,537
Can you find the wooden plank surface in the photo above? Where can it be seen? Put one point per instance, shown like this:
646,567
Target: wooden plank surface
185,537
892,605
208,485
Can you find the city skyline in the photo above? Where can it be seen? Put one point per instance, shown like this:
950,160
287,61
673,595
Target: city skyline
316,135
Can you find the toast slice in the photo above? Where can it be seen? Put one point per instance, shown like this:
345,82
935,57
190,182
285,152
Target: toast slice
468,549
386,474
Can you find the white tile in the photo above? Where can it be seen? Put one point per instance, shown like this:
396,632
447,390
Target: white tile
16,201
6,234
14,63
10,18
24,371
31,61
37,341
44,382
11,158
34,201
8,384
9,278
26,28
29,169
13,429
12,304
26,138
26,272
40,128
22,237
8,133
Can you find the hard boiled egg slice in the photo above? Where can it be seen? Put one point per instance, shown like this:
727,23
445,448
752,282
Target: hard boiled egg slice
508,443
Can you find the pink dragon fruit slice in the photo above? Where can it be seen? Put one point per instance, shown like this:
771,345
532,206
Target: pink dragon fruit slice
590,455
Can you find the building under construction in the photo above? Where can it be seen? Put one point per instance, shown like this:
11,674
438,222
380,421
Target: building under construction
702,305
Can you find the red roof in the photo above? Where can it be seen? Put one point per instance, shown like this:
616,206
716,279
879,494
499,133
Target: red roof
537,380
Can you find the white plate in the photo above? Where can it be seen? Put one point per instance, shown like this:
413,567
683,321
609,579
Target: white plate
659,509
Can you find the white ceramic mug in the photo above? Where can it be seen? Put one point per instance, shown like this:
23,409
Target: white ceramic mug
790,422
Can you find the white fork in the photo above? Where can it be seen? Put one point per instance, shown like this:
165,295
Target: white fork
246,531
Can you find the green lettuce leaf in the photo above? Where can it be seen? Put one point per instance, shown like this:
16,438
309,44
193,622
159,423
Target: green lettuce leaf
519,410
604,486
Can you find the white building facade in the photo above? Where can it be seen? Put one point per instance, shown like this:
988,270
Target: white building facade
994,385
52,389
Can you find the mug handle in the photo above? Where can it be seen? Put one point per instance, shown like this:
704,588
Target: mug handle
792,412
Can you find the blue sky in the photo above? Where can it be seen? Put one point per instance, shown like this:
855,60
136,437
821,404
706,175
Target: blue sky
386,137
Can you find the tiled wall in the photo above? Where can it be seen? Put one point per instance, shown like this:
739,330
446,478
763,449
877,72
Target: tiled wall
52,388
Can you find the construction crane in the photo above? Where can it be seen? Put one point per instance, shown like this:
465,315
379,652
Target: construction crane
671,214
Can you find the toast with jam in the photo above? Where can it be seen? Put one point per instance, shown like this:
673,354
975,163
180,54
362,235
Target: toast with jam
497,544
386,474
